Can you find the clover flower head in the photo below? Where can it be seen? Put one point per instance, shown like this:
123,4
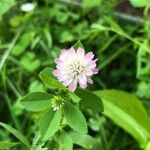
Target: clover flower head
57,102
75,67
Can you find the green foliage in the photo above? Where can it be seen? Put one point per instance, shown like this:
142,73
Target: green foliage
114,27
66,36
119,36
143,89
74,97
77,45
50,123
89,4
10,47
147,146
7,144
17,134
89,100
36,101
75,118
36,86
65,141
86,141
139,3
49,80
5,5
48,37
30,62
143,67
22,44
119,106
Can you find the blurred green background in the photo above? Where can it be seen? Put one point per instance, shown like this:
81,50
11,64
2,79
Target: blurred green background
32,34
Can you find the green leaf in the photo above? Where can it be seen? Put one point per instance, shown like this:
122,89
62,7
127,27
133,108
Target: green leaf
35,42
23,43
30,62
49,80
50,123
75,118
128,112
86,141
16,21
48,37
90,4
147,146
47,71
74,97
5,5
36,101
7,144
17,134
77,45
66,36
65,141
89,100
36,86
143,89
140,3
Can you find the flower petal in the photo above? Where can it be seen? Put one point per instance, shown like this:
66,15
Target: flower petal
73,86
89,56
57,73
83,86
89,80
72,51
62,78
80,51
95,71
67,82
58,61
82,80
89,72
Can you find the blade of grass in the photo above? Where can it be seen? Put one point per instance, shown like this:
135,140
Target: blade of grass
119,32
112,57
6,54
13,88
17,134
104,137
45,48
13,117
7,144
13,60
108,43
112,140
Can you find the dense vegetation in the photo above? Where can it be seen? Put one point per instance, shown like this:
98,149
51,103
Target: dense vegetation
117,32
